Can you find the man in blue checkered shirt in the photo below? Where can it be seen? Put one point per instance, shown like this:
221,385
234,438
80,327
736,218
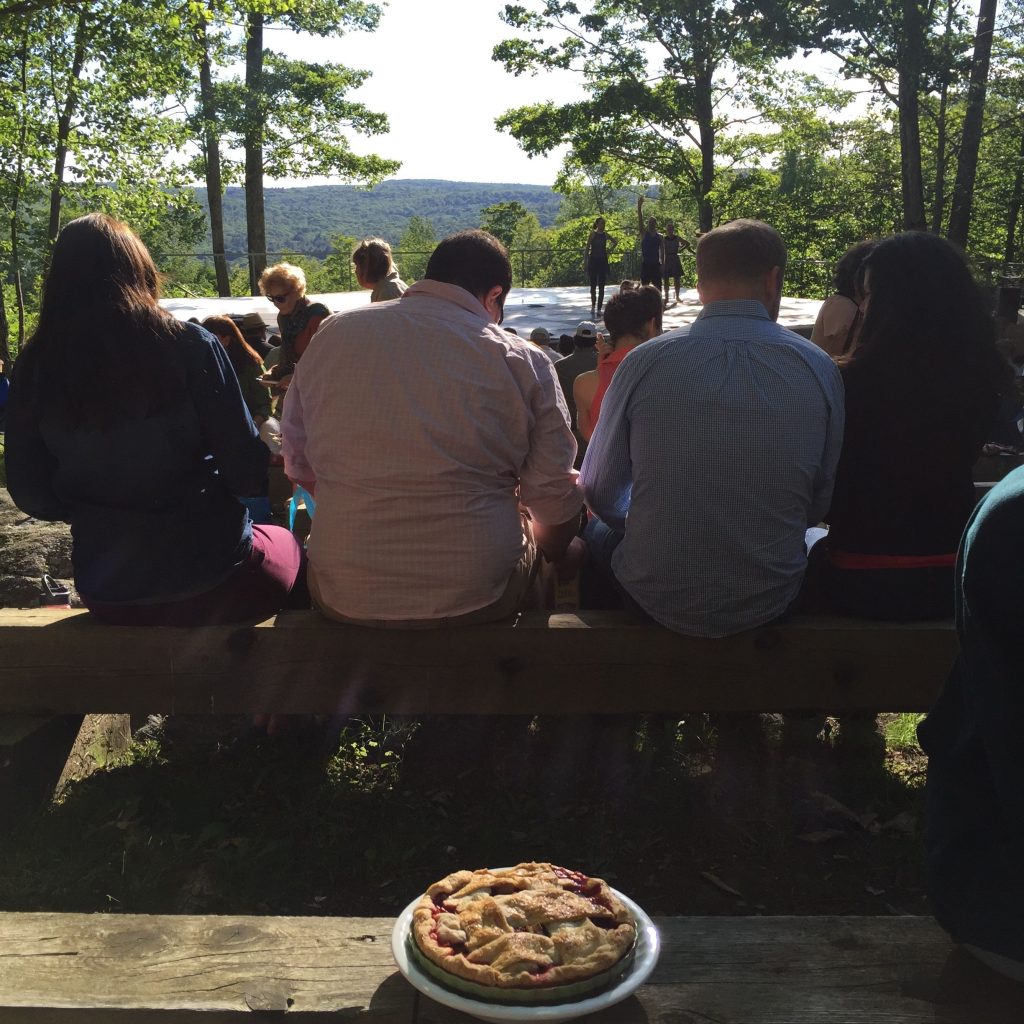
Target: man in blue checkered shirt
716,449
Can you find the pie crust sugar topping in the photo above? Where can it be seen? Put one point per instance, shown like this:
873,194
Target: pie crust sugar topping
531,926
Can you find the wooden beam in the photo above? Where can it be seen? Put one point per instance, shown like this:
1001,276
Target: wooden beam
84,968
591,662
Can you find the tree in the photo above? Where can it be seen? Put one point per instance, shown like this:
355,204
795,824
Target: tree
502,219
290,115
415,246
657,73
83,89
967,165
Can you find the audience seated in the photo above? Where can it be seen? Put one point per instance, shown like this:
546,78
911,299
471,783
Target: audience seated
421,474
922,392
131,426
297,317
541,337
246,363
376,269
630,320
975,833
254,330
715,450
582,359
835,329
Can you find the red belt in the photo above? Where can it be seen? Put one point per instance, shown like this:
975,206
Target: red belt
853,560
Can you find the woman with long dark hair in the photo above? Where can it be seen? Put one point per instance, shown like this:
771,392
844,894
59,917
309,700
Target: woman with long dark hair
922,392
246,363
131,427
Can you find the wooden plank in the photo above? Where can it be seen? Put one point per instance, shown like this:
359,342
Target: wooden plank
595,662
819,970
201,964
61,968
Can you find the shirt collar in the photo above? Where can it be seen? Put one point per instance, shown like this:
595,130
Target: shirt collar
450,293
734,307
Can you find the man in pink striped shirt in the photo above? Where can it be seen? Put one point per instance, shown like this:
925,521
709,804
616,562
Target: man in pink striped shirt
439,448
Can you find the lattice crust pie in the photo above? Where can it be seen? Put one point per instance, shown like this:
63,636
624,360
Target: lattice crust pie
527,927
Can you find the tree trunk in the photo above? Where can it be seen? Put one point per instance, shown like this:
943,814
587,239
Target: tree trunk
908,107
967,165
256,228
1013,214
211,158
19,185
64,132
938,206
704,109
5,330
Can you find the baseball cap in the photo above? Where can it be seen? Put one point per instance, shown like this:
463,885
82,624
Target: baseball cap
540,335
586,329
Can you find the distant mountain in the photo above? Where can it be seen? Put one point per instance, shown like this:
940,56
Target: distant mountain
304,219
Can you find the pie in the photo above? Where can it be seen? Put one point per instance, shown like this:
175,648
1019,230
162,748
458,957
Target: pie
534,926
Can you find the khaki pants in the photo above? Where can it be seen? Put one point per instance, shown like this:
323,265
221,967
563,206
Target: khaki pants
514,599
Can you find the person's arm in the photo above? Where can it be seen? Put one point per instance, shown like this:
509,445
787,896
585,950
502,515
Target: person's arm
239,455
834,428
293,438
554,541
640,213
584,387
607,472
547,481
586,250
611,242
29,463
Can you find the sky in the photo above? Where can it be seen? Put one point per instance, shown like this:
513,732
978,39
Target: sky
434,78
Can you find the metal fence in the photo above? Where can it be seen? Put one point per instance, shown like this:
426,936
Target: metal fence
546,267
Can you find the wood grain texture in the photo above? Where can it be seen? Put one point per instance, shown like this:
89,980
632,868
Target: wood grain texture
88,969
597,662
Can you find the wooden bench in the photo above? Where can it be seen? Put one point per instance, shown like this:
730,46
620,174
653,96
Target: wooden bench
590,662
107,969
97,969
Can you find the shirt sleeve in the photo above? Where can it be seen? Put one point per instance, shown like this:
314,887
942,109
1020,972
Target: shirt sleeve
607,472
547,481
834,428
30,465
293,432
238,453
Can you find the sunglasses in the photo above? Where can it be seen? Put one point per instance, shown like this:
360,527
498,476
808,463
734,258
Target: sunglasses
278,299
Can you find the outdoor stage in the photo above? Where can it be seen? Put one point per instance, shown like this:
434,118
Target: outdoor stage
557,309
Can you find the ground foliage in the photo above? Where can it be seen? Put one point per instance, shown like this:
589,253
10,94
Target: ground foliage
698,823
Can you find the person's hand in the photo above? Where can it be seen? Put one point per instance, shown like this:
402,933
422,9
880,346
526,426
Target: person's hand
604,348
282,384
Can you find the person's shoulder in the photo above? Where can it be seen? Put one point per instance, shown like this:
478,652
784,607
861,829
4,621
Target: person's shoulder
194,337
318,309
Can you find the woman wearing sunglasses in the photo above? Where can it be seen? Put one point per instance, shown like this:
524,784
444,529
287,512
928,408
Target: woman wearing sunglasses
297,317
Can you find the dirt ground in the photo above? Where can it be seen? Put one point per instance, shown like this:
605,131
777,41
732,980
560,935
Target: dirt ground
699,818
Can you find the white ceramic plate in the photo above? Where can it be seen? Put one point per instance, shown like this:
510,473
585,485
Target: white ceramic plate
648,946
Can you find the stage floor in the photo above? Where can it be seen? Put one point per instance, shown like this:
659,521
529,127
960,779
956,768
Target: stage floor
557,309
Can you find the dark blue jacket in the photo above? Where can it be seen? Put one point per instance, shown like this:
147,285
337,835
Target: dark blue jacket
151,501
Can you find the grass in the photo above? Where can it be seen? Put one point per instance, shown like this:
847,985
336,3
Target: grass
901,731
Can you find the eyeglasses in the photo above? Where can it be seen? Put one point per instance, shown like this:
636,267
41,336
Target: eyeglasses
278,299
